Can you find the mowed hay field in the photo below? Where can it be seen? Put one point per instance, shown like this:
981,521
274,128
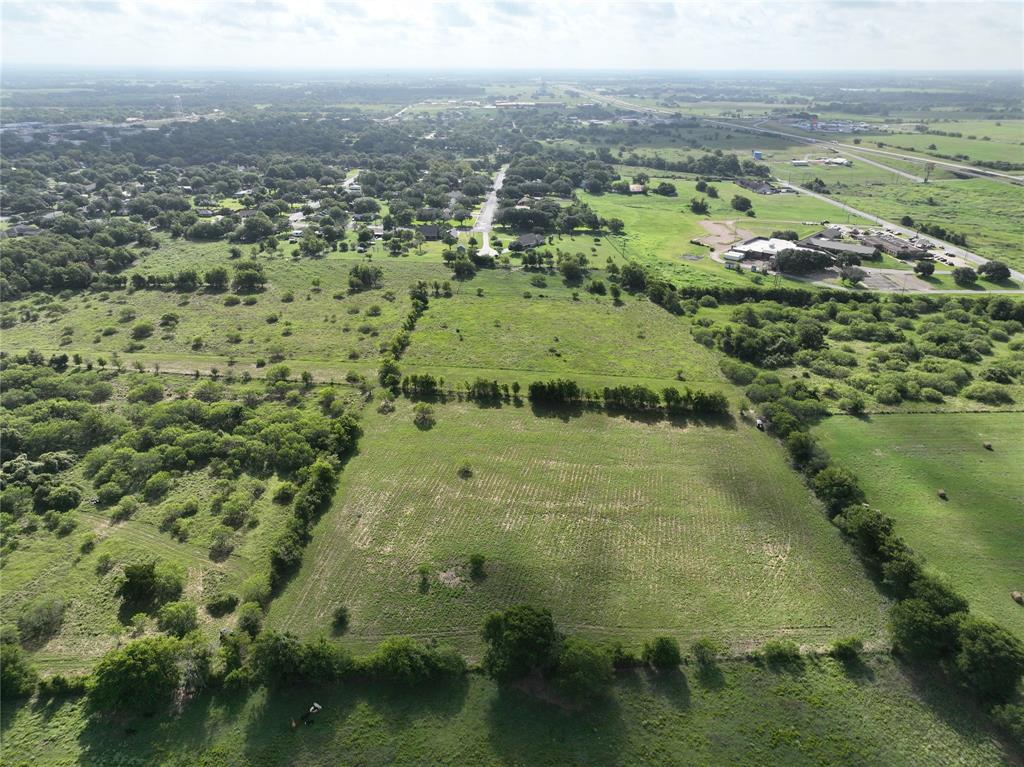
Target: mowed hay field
623,529
738,715
551,333
977,536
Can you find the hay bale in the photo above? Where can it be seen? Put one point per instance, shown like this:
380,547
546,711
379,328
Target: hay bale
987,445
1017,597
943,496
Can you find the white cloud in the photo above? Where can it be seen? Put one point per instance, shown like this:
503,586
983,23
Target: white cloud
509,34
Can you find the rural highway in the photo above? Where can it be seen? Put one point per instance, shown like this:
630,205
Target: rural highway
967,169
953,250
855,148
897,171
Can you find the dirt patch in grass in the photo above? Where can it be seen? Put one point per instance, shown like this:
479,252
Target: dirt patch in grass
450,578
722,234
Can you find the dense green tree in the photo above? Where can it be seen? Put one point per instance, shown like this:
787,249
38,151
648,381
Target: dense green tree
989,658
150,582
741,203
662,652
964,275
584,669
994,270
837,488
250,618
18,678
920,630
178,618
138,677
519,640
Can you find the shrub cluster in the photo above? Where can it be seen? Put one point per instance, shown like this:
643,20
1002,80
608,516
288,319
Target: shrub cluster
920,347
312,497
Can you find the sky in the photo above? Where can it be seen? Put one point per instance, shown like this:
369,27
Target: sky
813,35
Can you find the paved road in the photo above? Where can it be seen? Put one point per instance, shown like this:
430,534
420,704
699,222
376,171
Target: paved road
897,171
485,218
851,148
967,169
954,250
350,180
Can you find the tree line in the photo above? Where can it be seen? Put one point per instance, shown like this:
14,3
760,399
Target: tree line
930,623
633,398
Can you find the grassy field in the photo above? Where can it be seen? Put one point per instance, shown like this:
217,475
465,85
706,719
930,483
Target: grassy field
59,566
975,538
1007,130
291,315
552,334
741,715
622,528
1000,148
858,173
659,229
306,316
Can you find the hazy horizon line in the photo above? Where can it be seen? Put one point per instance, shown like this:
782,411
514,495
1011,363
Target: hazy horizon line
74,69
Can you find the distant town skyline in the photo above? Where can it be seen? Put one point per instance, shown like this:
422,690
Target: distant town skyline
823,35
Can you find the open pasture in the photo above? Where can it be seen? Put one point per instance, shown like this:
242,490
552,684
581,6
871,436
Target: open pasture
304,313
975,537
622,528
738,715
1005,146
552,334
